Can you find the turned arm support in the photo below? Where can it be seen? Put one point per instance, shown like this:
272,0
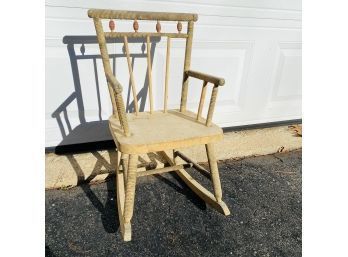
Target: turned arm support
205,77
116,86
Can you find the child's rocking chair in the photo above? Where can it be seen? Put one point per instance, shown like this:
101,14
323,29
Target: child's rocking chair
157,131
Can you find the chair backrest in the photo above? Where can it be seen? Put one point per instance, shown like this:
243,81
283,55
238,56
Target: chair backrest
114,86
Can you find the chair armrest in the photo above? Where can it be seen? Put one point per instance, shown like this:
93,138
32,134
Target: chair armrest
206,77
114,83
216,81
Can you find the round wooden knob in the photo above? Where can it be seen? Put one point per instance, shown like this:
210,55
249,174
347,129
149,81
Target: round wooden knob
112,25
135,25
158,27
179,26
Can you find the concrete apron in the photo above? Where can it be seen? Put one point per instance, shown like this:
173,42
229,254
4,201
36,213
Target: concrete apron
64,171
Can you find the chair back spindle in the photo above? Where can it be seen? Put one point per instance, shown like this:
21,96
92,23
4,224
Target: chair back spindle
167,76
187,64
130,69
201,101
212,105
115,88
149,71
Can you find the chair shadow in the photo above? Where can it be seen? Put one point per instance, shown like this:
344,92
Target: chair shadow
183,188
48,252
80,136
108,210
96,130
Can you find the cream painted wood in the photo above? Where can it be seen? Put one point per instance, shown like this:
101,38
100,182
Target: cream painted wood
147,132
167,76
164,170
130,187
124,163
201,101
134,91
256,47
194,164
214,171
143,35
124,229
162,131
149,72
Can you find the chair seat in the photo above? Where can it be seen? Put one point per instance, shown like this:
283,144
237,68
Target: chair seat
162,131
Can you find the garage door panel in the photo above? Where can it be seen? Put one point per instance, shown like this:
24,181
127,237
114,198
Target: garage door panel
254,45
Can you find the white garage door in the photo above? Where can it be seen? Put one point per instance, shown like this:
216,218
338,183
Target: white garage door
254,45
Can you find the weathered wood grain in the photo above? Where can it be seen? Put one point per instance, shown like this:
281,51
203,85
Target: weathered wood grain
132,15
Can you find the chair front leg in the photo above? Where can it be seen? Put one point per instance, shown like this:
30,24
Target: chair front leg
124,163
129,195
214,171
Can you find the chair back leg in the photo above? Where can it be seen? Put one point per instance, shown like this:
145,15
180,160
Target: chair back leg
214,171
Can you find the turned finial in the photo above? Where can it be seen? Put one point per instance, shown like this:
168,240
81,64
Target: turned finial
135,25
179,26
158,27
112,25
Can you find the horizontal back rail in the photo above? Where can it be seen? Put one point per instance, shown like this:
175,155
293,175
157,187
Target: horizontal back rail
134,15
143,34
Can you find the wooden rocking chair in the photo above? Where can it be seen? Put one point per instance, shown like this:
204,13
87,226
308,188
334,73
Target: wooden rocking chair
158,131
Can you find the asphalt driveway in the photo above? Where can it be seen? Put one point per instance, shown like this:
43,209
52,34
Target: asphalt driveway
263,194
